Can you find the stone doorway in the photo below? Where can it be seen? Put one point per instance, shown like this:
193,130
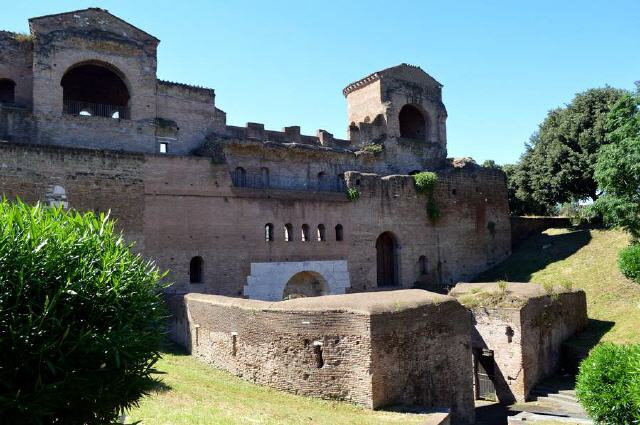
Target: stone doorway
484,371
386,254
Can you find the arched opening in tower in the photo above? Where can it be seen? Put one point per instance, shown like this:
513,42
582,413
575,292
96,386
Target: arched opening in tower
412,123
95,90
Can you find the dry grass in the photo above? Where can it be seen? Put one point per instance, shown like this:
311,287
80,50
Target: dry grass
195,393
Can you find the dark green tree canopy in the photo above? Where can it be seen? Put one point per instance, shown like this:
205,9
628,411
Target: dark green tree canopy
559,162
617,170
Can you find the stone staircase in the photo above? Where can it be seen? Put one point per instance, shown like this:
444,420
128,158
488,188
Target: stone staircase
558,397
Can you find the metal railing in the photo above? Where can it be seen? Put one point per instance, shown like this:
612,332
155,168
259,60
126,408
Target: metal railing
262,181
89,109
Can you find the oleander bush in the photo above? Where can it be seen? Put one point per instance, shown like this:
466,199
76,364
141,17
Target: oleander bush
629,262
81,318
608,384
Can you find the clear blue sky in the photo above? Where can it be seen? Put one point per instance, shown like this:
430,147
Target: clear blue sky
503,64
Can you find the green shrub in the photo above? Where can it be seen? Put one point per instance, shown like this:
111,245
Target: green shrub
629,262
352,193
373,148
607,384
425,181
81,318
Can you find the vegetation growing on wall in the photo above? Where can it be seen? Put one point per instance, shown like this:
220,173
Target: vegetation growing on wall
23,38
373,148
425,182
352,193
81,318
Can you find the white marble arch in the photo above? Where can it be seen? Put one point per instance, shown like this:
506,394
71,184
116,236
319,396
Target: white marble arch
268,280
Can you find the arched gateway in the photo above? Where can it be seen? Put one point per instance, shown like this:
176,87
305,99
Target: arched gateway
280,280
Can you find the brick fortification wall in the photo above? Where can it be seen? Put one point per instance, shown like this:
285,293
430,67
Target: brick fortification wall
523,227
525,335
86,180
179,207
406,347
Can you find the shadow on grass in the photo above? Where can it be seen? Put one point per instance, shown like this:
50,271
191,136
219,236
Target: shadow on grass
577,348
536,253
170,347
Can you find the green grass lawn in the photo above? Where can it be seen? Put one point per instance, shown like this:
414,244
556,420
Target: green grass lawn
195,393
586,259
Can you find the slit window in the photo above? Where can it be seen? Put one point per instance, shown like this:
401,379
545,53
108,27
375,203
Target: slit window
163,147
288,232
339,235
321,233
305,233
268,232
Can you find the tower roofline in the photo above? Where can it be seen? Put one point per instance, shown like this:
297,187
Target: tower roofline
375,76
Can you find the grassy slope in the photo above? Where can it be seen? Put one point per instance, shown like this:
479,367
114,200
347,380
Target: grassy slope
587,260
195,393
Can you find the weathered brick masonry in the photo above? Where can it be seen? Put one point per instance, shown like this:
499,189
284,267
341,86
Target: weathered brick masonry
403,347
523,333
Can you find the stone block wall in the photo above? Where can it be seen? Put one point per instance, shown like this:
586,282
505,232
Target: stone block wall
403,347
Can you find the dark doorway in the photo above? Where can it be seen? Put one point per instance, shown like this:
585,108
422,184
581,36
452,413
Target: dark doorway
386,248
412,123
94,90
195,270
7,91
484,368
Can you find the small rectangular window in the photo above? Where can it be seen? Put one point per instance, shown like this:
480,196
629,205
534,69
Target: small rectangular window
164,147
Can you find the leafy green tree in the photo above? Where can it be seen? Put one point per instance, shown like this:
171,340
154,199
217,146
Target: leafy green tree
558,165
617,170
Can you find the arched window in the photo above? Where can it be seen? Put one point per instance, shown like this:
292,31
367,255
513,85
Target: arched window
322,181
288,232
321,233
412,123
195,270
264,175
422,265
268,232
95,90
240,177
305,233
7,91
339,235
